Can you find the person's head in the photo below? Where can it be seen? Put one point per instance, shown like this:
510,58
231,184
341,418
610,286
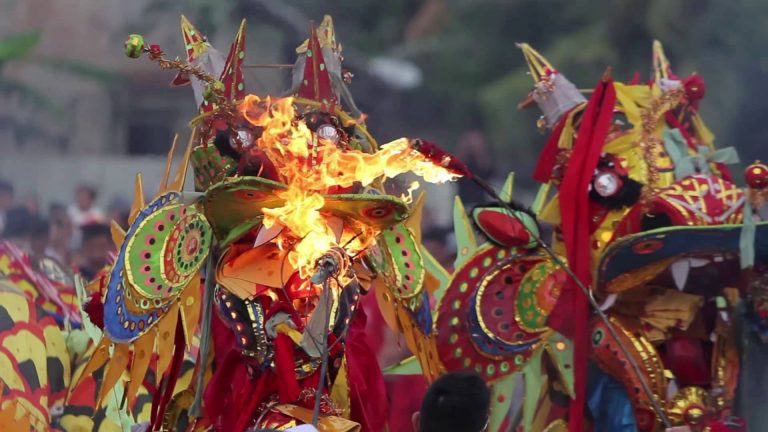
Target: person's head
435,239
56,209
475,139
97,243
85,195
32,204
19,224
455,402
39,236
62,228
119,210
6,194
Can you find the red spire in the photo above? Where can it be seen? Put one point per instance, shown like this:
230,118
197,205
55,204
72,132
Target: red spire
195,43
232,74
317,85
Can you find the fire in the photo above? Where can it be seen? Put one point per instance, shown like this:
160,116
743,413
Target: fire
310,167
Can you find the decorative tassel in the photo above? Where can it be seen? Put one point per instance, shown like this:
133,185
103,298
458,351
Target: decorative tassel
440,157
596,122
95,310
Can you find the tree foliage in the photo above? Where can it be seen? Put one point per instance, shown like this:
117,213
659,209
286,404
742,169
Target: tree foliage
19,48
474,74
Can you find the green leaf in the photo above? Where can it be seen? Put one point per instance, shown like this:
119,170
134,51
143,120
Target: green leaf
18,45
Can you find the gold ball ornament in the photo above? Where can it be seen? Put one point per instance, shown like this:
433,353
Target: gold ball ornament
756,175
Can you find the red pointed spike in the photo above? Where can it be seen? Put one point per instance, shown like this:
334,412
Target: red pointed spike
232,75
192,39
316,84
193,43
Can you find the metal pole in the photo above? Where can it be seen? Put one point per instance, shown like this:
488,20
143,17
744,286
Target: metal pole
324,362
205,334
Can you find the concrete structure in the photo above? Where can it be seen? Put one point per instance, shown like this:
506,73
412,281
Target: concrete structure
104,133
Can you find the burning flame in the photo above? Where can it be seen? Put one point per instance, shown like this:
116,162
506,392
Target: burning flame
310,167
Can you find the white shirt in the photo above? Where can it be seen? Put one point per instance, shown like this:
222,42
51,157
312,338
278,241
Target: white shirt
80,217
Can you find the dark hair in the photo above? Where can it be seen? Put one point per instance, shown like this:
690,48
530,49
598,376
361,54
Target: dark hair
40,228
56,207
456,402
95,230
6,186
19,222
88,188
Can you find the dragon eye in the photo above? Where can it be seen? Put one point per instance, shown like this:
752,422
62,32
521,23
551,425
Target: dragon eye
328,133
606,183
241,139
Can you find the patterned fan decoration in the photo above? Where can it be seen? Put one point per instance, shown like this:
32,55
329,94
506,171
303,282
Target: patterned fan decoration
234,206
491,317
152,292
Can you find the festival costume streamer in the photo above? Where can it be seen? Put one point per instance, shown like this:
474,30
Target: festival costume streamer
576,228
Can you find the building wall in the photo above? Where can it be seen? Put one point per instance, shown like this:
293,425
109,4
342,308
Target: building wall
88,134
52,179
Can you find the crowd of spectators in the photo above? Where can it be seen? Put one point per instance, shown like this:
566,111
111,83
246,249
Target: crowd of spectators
77,235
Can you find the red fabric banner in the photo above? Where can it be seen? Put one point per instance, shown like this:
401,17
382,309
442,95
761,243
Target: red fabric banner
574,208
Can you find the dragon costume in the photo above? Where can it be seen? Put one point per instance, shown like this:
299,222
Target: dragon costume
648,216
266,260
236,305
630,321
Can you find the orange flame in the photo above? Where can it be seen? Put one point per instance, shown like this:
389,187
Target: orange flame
310,167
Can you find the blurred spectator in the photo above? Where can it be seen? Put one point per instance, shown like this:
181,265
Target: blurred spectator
57,209
97,244
6,201
119,210
84,210
455,402
39,238
62,234
32,204
435,239
21,260
19,224
474,150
